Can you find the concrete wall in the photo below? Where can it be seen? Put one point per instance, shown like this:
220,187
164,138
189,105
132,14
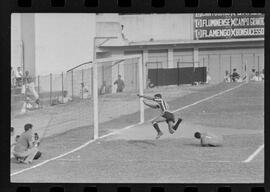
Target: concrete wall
107,17
218,61
28,42
183,57
108,29
157,58
143,27
16,41
63,41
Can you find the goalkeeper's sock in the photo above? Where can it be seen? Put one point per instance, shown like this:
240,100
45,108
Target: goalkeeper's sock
177,124
155,125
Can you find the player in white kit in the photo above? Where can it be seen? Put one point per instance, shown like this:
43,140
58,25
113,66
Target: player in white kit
209,139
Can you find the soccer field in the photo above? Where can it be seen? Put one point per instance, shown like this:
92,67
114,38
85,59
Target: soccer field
128,152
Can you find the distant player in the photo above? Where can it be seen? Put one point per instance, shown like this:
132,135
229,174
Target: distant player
165,114
209,139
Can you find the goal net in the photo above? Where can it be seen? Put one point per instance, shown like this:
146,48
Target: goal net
116,83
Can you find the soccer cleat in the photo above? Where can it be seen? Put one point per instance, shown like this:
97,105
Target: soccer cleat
177,124
171,130
159,135
37,101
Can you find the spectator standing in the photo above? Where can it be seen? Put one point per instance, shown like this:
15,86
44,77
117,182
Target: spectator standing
102,90
19,76
262,75
24,150
28,84
253,74
208,78
123,32
84,92
11,141
227,78
120,84
12,76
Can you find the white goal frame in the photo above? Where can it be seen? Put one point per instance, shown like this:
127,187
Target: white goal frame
95,87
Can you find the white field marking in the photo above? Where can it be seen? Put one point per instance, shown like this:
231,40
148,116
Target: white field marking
254,154
115,132
162,160
207,98
187,106
67,153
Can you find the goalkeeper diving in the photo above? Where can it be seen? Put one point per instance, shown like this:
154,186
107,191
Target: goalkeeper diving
166,115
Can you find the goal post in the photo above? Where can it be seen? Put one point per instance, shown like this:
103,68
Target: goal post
105,70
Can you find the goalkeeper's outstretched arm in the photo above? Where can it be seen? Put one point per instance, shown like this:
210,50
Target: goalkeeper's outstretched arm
151,105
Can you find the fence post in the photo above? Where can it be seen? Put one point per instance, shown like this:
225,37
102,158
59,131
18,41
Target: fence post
230,65
208,63
118,68
82,84
254,61
203,61
92,80
103,72
140,70
258,64
242,63
178,73
157,74
136,74
50,88
38,85
72,84
219,68
62,87
146,74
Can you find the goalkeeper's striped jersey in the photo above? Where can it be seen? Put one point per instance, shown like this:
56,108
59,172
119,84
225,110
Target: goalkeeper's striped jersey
162,105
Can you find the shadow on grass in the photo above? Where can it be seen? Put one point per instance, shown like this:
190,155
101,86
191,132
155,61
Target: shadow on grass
141,142
193,144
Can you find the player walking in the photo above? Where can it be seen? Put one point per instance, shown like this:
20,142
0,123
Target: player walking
165,114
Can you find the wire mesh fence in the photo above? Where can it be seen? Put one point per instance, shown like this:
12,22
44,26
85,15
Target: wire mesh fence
118,86
78,83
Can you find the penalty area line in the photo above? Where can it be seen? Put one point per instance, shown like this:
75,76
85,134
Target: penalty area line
118,131
207,98
254,154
